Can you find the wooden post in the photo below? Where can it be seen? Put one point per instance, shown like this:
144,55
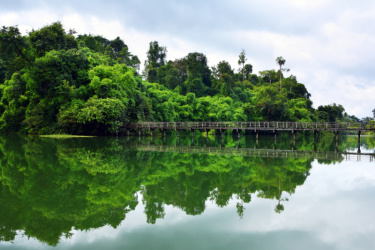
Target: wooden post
337,138
314,131
359,141
314,135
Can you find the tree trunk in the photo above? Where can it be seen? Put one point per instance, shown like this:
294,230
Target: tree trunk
280,80
243,73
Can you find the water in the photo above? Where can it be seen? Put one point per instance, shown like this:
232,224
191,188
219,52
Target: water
186,193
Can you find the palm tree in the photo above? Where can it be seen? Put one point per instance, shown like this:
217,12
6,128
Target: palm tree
281,61
242,59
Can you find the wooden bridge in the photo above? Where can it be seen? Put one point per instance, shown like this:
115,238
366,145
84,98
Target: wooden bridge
274,127
255,126
253,152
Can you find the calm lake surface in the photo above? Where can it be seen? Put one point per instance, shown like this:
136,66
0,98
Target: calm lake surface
187,193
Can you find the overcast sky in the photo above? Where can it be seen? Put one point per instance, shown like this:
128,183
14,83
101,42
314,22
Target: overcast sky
329,45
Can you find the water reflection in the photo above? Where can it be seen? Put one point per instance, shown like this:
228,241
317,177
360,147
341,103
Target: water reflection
50,186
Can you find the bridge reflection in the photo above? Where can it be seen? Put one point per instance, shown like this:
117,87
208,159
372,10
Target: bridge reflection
254,152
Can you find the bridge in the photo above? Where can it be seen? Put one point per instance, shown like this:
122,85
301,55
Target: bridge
255,126
253,152
274,127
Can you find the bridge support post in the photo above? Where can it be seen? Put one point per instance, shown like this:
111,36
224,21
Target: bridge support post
359,141
294,132
315,131
127,132
192,133
139,133
239,133
314,135
337,140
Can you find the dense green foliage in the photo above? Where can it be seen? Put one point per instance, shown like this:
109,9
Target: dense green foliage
54,82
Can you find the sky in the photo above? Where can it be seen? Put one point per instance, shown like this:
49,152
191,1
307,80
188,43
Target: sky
327,44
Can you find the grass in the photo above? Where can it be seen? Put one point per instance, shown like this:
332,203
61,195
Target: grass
66,136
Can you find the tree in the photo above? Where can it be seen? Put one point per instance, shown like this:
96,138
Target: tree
224,67
109,51
13,51
332,113
89,42
156,57
281,61
299,90
50,37
95,43
248,69
129,59
241,60
270,104
373,112
196,64
224,77
198,72
162,73
181,66
118,45
268,75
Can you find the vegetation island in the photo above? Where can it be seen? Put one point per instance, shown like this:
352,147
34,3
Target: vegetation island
53,81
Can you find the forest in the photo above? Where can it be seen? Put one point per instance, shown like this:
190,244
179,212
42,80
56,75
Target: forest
55,81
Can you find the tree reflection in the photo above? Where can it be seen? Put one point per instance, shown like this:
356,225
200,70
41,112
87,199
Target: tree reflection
49,186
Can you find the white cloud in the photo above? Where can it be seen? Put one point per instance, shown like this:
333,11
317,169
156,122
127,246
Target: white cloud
27,20
306,4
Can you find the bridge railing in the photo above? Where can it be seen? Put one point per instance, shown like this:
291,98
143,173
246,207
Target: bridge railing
273,125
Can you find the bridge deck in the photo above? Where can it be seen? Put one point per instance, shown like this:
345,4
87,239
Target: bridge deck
255,126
